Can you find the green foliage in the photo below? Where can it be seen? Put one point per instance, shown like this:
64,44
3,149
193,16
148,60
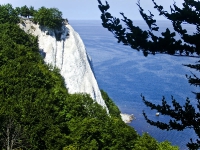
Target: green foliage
113,109
31,11
30,94
92,128
36,111
18,10
49,17
96,130
146,142
8,14
24,11
167,146
40,109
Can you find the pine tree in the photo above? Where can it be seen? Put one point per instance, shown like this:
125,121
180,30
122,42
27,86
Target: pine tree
182,117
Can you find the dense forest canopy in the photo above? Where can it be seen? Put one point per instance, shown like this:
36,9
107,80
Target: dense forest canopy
36,110
182,117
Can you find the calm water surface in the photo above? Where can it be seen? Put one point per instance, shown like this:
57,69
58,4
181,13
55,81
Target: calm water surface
125,73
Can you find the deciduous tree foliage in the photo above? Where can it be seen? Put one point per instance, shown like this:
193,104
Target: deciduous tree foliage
8,14
31,96
36,111
113,109
186,116
32,11
49,17
24,11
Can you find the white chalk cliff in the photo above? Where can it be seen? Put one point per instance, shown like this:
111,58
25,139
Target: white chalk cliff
68,53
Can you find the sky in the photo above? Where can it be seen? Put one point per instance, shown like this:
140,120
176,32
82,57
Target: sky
88,9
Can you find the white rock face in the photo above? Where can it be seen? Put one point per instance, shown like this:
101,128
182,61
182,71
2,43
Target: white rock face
127,118
69,55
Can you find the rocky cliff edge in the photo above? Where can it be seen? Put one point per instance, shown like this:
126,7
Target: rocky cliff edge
65,49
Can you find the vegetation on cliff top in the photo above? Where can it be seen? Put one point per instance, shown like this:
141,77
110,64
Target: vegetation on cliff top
36,110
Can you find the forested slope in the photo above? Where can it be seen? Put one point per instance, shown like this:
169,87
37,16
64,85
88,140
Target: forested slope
36,110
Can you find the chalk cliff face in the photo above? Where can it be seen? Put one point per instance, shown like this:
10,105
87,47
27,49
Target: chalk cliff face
65,50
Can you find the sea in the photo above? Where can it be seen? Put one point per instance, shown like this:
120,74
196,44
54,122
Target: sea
125,74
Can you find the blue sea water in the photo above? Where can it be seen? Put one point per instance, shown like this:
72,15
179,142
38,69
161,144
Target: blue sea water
125,73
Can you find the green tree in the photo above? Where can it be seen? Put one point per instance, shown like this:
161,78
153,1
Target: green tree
36,108
31,11
113,109
186,116
24,11
146,142
36,111
18,10
32,97
8,14
166,145
49,17
92,128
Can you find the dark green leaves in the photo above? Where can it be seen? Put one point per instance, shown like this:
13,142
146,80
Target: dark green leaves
49,17
8,14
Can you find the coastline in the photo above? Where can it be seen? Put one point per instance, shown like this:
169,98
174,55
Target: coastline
127,118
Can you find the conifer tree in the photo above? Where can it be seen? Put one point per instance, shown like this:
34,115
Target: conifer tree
182,117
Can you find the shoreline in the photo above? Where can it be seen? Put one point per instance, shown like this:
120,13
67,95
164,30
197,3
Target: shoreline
127,118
